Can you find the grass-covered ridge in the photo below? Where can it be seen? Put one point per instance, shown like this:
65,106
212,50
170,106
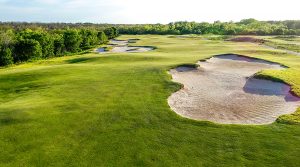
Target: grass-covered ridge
111,110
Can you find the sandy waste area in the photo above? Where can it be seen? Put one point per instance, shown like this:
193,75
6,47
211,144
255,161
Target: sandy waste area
120,46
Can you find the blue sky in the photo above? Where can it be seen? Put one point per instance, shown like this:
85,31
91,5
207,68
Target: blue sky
146,11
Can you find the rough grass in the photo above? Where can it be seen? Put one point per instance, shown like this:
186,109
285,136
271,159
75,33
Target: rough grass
284,43
291,43
286,46
111,110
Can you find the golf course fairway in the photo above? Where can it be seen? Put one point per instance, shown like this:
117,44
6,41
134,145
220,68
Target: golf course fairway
111,110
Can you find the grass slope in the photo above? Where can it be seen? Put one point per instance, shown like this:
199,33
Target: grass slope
111,110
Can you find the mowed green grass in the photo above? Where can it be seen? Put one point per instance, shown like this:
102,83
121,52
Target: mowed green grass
111,110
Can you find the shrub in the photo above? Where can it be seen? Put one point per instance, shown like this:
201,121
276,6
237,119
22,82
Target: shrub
5,56
102,38
27,49
72,40
44,39
59,46
89,38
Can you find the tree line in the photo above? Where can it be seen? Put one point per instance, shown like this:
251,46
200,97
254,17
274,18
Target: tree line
25,44
21,41
244,27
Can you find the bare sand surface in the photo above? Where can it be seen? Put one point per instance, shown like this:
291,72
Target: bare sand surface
121,46
247,39
222,90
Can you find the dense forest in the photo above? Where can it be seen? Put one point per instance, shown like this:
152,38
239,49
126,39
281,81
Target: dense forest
30,42
21,41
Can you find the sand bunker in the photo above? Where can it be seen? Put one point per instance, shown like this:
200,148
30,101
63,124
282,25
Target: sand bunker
121,46
222,90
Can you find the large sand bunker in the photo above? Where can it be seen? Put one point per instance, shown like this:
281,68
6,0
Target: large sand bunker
122,46
222,90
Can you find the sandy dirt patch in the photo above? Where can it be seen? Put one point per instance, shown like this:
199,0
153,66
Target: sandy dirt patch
122,46
247,39
222,90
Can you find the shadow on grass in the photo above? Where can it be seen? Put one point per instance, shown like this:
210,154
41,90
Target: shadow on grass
79,60
11,117
115,57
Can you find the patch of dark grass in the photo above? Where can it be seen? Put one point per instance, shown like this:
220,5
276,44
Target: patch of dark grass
78,60
133,40
185,65
11,117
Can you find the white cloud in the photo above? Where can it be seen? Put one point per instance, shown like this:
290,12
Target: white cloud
49,2
147,11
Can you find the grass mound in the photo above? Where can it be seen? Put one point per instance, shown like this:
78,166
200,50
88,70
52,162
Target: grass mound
290,119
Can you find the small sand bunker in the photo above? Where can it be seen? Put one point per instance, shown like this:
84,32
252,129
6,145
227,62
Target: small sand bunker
121,46
222,90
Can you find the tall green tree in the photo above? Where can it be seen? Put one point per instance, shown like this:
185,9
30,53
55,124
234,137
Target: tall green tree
6,56
102,38
44,38
89,38
116,31
72,40
27,49
111,32
7,39
59,45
